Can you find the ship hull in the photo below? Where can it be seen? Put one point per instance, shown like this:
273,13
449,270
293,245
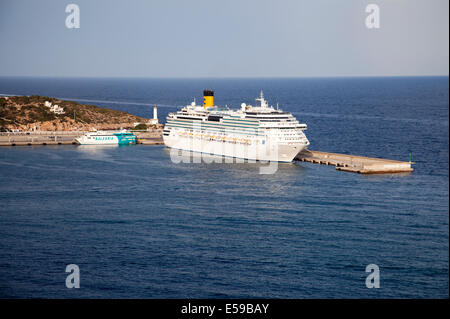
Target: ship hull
279,152
85,141
116,139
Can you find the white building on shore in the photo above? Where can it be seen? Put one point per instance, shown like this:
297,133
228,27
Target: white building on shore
54,108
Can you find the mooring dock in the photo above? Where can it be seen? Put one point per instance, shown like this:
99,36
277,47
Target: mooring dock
39,138
67,137
150,138
150,141
355,164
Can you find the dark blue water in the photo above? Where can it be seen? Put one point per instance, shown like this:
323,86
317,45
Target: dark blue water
139,225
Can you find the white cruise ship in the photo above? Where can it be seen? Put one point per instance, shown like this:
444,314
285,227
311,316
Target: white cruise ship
251,132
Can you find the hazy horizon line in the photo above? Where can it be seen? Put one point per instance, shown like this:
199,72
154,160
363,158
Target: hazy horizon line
219,78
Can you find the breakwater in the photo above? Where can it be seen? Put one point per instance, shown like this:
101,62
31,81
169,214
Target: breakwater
152,137
355,164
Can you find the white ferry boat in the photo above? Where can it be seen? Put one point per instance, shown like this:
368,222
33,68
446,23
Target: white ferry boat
252,132
107,138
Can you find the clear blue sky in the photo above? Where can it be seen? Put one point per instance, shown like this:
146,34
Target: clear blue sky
224,38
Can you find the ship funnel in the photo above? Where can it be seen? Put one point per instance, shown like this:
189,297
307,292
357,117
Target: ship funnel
208,98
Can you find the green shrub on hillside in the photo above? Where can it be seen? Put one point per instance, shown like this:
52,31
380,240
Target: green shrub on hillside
140,127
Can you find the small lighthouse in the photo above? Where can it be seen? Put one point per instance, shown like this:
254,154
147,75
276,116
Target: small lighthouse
154,120
155,113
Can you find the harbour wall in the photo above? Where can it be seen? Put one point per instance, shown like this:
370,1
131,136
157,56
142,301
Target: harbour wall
354,163
342,162
152,137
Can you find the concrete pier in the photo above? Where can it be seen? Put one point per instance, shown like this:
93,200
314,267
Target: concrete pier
355,164
39,138
150,141
149,137
153,137
342,162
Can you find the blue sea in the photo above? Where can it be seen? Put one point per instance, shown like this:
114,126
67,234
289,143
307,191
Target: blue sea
139,225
